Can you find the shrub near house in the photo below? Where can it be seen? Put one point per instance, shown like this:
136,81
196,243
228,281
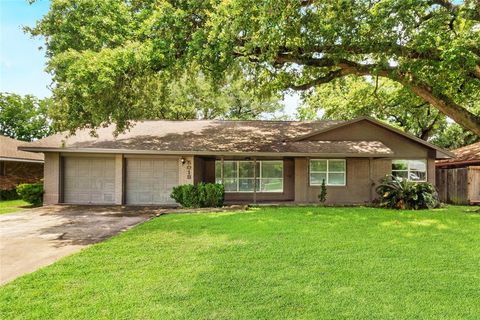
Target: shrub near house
202,195
31,193
398,193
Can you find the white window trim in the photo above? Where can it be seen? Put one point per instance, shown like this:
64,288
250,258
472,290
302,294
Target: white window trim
259,175
327,172
408,169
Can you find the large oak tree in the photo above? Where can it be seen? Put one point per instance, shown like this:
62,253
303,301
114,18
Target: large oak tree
103,52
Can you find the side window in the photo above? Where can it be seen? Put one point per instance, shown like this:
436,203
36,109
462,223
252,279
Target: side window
412,170
333,171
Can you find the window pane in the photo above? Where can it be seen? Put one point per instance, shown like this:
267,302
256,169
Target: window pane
218,170
316,178
399,165
230,184
272,169
418,165
400,174
318,165
230,169
272,185
336,179
336,165
245,184
258,185
245,169
417,176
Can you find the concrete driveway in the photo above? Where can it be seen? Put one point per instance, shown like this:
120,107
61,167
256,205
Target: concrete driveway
38,237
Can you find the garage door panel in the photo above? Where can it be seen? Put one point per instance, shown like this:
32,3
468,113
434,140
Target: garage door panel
89,180
150,182
79,198
83,182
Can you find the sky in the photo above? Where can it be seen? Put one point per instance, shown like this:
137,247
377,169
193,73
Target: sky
22,64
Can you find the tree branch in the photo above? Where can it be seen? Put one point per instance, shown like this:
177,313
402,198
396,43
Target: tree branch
442,102
345,68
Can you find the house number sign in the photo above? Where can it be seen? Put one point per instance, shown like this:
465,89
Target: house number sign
189,169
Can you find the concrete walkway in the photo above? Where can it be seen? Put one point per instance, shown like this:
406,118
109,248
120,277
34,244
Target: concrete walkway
37,237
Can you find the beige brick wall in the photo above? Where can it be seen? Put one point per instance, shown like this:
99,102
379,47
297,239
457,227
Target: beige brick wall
51,178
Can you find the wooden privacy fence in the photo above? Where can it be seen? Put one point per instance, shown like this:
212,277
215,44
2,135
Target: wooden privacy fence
459,185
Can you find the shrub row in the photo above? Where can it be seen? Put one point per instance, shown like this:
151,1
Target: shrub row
9,194
202,195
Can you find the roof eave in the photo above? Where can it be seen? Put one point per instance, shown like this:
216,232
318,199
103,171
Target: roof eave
208,153
10,159
440,164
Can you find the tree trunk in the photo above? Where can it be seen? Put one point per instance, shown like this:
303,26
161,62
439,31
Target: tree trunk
459,114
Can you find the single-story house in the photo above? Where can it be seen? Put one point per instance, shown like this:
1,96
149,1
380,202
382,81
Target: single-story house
18,166
459,177
257,161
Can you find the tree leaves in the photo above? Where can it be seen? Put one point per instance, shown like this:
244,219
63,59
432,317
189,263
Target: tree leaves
430,47
24,117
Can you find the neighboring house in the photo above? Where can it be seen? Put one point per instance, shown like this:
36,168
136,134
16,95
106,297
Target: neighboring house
18,166
286,161
459,177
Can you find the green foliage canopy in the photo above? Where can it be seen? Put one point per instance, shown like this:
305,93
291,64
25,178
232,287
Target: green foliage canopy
24,117
102,53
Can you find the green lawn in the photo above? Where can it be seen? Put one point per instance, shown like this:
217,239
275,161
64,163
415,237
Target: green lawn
9,206
268,263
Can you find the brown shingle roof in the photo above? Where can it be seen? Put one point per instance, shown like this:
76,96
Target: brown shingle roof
466,154
211,136
9,151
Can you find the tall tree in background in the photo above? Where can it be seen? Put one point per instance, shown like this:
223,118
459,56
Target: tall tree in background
190,96
24,117
386,100
101,52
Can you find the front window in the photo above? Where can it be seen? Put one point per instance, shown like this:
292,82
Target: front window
239,176
332,171
413,170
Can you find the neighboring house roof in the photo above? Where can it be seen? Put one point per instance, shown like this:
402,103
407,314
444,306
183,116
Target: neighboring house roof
215,137
467,155
9,151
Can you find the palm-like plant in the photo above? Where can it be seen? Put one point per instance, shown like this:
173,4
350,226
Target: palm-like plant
400,193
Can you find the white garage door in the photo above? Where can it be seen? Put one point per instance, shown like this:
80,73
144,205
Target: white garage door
150,181
89,180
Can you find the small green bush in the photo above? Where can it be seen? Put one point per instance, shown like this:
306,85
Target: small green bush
10,194
202,195
322,196
399,193
211,194
31,193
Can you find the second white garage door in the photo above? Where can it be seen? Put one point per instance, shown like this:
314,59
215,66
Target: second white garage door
150,181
